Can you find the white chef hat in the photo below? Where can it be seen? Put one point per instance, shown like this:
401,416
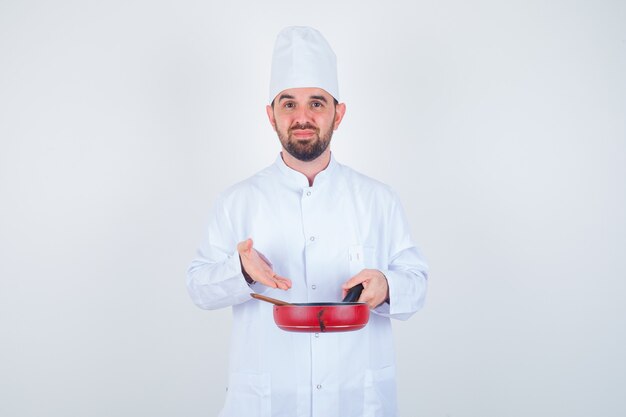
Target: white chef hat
302,58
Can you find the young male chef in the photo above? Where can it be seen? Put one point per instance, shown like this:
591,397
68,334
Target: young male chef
306,229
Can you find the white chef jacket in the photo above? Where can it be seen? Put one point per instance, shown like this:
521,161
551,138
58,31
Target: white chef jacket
318,236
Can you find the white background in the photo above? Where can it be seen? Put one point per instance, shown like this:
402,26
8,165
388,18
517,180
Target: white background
501,124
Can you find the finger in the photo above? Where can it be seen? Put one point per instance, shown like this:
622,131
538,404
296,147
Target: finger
355,280
244,246
372,297
281,278
367,299
267,278
268,282
282,282
281,285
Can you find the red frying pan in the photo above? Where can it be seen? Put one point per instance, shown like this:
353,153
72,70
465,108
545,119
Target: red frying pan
321,317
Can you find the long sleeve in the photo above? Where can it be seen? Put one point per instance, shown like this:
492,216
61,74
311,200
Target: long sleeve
407,271
214,278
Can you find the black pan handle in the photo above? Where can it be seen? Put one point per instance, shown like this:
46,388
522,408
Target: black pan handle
353,294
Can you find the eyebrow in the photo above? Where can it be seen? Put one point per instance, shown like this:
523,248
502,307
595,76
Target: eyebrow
320,98
285,97
290,97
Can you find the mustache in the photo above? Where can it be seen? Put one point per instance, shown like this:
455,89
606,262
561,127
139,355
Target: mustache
303,126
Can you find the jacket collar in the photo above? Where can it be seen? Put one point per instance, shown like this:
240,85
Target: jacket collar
299,180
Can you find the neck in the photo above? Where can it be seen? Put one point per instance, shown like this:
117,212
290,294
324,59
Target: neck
308,168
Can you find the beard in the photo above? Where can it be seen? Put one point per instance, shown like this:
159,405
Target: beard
308,149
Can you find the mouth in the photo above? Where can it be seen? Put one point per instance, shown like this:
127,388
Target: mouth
303,133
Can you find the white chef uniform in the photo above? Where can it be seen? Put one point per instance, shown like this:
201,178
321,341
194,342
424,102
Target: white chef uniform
318,236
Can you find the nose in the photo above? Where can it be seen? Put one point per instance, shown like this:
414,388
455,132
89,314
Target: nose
302,116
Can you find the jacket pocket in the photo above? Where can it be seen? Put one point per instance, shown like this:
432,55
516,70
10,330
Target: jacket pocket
361,257
380,392
248,395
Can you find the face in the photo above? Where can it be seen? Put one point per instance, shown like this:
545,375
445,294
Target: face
305,119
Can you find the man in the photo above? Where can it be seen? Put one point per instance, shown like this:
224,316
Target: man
306,229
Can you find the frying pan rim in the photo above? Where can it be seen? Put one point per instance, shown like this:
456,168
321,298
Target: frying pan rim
324,304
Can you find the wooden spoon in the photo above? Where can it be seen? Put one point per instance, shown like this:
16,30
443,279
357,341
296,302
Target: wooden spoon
269,299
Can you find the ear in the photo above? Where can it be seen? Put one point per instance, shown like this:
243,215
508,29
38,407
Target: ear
340,110
270,116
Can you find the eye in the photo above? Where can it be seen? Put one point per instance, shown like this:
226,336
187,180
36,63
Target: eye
289,105
317,104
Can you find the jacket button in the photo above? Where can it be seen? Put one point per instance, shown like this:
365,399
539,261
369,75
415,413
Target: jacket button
313,286
308,193
312,238
319,386
317,335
